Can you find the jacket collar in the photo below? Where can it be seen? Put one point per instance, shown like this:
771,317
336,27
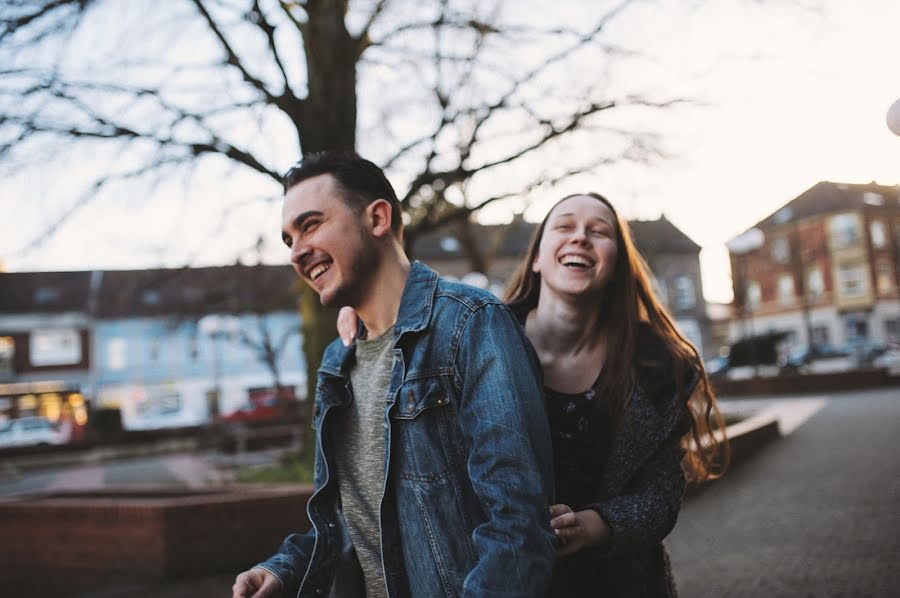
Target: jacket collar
416,304
417,300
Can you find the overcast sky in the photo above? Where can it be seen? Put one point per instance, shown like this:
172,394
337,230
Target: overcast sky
791,96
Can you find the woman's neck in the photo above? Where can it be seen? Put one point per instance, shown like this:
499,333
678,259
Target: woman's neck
559,327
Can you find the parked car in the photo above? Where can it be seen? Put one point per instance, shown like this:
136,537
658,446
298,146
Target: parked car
889,360
30,431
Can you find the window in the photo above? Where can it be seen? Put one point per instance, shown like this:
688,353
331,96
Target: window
878,233
845,230
116,356
892,330
193,348
55,347
7,355
786,289
685,296
754,295
449,244
150,298
153,353
884,277
852,280
45,295
820,337
815,283
781,250
659,287
873,199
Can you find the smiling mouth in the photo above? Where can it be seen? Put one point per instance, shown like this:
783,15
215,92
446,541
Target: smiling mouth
318,271
576,262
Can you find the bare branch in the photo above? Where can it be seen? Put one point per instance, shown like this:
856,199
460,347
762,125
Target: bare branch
362,40
231,56
258,18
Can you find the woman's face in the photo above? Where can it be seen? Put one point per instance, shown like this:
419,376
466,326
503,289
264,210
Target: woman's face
577,253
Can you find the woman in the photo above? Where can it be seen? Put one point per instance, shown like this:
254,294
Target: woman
628,400
626,395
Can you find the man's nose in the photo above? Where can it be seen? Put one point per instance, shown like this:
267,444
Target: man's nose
298,252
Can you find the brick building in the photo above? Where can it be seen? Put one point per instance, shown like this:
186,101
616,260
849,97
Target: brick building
823,268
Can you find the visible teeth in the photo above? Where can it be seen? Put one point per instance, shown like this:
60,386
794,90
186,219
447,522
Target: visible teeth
318,270
573,260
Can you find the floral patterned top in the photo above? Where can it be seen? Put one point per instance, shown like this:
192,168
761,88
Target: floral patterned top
580,444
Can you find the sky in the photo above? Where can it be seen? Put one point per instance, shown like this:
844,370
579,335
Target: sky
788,93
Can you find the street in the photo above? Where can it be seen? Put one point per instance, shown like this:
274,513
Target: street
814,514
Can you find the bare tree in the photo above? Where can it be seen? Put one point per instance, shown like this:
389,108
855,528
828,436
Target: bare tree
462,103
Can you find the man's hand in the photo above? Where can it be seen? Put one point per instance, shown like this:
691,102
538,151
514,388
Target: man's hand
256,583
346,325
577,530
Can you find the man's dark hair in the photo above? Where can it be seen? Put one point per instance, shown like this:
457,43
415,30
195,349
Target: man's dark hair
361,182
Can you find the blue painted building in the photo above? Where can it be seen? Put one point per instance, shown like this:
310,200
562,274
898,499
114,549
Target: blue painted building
167,347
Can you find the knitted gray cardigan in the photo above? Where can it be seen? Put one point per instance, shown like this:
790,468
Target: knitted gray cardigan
642,483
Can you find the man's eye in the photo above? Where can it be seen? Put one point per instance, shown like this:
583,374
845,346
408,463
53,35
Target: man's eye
309,225
287,241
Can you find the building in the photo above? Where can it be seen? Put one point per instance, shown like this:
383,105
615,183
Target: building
464,248
823,268
166,347
45,344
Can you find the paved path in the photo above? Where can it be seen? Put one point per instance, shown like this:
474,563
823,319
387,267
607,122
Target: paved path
815,514
183,470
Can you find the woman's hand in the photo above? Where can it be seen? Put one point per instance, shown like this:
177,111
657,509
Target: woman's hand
346,325
577,530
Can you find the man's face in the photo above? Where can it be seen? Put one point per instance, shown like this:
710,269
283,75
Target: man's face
330,247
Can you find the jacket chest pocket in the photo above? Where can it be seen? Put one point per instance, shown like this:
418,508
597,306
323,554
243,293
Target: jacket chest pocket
427,438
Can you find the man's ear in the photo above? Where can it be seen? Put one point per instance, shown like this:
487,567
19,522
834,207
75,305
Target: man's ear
378,214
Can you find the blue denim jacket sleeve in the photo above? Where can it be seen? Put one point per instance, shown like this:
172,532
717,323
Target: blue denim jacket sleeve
290,562
510,455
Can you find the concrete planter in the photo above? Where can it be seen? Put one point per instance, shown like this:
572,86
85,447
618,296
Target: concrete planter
60,543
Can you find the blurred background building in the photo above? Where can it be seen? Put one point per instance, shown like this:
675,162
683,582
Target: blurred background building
823,272
167,348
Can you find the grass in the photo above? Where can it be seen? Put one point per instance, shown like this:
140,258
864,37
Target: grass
290,470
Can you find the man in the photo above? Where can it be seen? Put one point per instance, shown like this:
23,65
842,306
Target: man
433,456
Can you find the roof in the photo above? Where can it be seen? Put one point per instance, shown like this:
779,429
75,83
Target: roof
826,197
661,236
46,292
135,293
238,288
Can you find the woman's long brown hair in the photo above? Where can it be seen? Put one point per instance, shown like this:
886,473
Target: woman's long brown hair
628,300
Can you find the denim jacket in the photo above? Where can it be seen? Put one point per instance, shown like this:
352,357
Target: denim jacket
468,468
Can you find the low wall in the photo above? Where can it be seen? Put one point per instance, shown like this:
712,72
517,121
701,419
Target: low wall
61,543
745,439
786,384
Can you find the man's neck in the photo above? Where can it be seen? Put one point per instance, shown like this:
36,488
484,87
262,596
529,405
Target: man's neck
379,307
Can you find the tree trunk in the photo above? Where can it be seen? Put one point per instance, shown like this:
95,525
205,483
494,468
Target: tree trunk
328,122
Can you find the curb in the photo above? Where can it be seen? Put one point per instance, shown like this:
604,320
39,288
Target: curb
745,439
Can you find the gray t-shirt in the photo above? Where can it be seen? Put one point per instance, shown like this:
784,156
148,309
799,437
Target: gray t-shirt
360,455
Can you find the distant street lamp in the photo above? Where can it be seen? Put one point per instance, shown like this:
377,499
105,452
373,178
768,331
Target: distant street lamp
893,118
